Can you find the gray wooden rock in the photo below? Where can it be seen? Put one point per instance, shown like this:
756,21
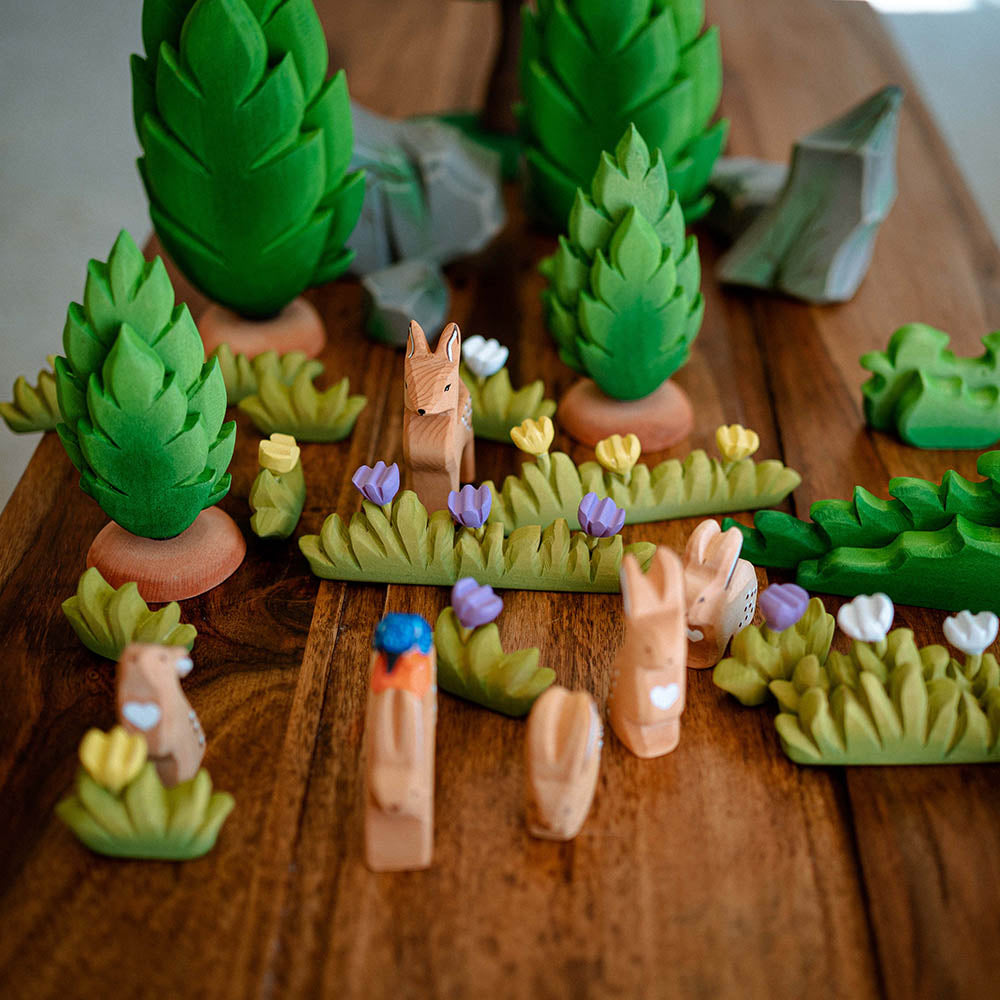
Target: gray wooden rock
412,289
743,187
816,241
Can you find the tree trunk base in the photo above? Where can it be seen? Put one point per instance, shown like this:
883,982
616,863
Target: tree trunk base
171,569
660,420
298,327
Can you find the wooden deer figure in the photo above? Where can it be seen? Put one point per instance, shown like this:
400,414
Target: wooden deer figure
648,680
438,443
721,591
151,702
399,741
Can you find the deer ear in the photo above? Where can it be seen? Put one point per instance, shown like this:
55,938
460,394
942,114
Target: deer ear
416,341
450,343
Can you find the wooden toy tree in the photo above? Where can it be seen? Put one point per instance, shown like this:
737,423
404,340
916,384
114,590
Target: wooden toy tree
590,67
246,146
143,420
623,304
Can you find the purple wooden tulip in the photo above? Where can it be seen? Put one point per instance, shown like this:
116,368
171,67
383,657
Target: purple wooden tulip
474,605
600,518
782,605
379,484
470,507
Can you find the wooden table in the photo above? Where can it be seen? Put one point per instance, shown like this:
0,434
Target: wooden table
720,870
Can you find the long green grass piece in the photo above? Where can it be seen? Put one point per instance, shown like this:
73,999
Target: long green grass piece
400,543
34,407
243,375
497,406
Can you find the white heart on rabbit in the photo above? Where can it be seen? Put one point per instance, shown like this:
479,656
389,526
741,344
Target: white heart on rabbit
141,714
663,697
695,634
867,618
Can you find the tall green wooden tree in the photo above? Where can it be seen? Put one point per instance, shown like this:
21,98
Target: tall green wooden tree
590,67
246,146
143,411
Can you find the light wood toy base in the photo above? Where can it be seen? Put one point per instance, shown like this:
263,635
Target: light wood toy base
171,569
660,420
298,327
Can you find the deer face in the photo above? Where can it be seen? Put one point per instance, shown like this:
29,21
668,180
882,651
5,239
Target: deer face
431,381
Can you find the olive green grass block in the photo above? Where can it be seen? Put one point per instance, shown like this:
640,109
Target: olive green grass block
760,657
471,664
246,146
697,486
922,392
400,543
277,501
143,410
242,375
892,703
930,545
623,304
147,820
34,407
497,406
107,620
301,410
589,67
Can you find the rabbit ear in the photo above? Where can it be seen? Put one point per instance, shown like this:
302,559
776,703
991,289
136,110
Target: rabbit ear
636,591
416,341
697,548
450,343
725,555
667,577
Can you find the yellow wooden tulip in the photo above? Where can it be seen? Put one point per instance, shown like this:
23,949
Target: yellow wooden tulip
113,759
279,453
534,436
735,442
619,454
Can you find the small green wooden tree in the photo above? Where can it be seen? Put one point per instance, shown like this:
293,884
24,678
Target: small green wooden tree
143,411
623,305
246,147
589,67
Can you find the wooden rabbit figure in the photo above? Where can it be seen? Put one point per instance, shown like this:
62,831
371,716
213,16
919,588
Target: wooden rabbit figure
648,680
151,702
438,443
721,592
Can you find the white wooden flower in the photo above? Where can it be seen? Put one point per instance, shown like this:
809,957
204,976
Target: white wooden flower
867,618
971,633
484,357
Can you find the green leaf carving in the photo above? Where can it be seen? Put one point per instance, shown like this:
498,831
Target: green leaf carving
107,620
143,411
246,147
242,375
497,406
277,502
623,304
400,543
472,665
36,407
301,410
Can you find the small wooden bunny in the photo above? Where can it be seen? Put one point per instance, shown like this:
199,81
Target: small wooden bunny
151,702
721,592
648,681
438,442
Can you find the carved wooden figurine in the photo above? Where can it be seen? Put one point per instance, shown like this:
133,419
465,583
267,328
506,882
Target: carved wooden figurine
399,742
151,702
564,743
648,680
721,592
438,443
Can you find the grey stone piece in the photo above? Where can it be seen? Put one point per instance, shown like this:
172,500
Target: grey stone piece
816,241
412,289
743,187
430,192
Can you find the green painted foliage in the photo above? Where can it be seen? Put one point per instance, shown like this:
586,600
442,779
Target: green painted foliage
143,411
242,375
301,410
471,664
276,502
930,398
589,67
34,407
246,147
497,406
623,304
107,620
400,543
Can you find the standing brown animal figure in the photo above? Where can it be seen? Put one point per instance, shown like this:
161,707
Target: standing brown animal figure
648,680
438,443
151,702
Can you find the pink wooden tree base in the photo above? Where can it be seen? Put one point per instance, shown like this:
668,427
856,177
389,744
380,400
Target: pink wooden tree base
171,569
298,327
660,420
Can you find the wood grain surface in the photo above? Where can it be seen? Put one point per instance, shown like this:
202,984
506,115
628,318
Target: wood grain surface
720,870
